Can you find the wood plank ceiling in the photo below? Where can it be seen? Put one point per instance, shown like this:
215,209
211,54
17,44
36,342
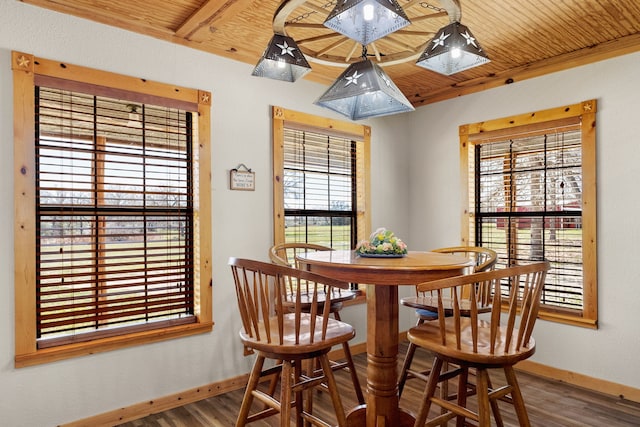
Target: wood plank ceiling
522,38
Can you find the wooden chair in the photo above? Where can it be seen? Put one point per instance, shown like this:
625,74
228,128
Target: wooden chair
425,304
480,341
285,254
288,335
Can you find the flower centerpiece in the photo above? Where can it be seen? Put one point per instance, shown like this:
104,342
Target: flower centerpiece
382,242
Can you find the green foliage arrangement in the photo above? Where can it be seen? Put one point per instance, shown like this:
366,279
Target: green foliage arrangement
382,242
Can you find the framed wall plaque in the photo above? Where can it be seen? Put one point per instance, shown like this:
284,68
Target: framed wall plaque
242,179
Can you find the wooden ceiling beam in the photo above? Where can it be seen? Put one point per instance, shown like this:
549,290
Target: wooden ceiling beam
213,12
199,18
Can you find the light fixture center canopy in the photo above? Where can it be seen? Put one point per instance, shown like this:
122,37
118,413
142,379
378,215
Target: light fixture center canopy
366,21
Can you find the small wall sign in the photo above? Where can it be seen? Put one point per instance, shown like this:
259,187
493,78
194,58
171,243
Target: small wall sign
242,179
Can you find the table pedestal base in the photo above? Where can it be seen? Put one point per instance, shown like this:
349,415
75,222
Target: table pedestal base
383,276
357,417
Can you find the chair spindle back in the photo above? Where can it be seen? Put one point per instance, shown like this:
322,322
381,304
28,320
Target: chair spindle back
266,311
515,301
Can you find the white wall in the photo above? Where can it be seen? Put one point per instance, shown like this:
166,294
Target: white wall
606,353
415,193
66,391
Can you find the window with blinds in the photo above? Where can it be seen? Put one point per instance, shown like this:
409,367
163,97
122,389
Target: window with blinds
321,180
531,197
320,189
528,207
114,215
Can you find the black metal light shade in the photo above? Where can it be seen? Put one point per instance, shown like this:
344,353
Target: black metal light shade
282,60
364,90
366,21
453,49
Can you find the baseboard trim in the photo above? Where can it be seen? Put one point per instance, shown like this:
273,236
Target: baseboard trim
143,409
580,380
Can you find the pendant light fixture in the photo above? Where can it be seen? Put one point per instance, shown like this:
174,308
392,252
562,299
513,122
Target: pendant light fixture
364,90
454,48
282,60
365,21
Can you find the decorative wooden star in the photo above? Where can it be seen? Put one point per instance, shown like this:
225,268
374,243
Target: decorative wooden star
23,61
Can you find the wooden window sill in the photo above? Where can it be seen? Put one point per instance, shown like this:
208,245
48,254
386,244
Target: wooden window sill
107,344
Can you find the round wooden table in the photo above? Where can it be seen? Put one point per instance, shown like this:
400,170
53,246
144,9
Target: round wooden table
383,276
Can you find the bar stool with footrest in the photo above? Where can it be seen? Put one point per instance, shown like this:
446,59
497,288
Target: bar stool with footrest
425,304
285,254
276,330
495,340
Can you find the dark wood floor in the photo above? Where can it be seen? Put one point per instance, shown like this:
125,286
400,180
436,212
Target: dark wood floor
549,403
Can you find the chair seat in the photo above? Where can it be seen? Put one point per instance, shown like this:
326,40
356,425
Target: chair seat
337,333
427,336
425,315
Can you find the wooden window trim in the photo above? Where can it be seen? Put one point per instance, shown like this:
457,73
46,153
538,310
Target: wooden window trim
297,120
585,112
25,68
